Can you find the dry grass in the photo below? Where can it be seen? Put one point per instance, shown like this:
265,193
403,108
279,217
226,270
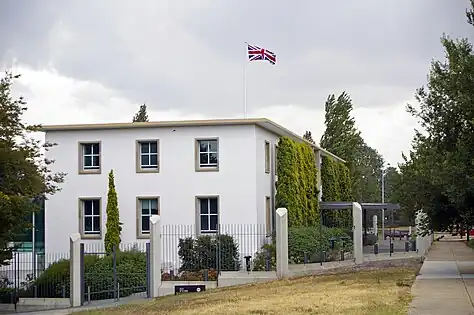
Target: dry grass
384,292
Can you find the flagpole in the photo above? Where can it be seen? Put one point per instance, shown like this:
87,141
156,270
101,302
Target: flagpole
245,79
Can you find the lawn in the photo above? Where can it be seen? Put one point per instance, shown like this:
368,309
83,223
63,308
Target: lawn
382,292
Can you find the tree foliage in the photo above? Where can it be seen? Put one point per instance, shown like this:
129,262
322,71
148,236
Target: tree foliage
342,138
297,188
438,175
141,115
24,171
308,136
112,235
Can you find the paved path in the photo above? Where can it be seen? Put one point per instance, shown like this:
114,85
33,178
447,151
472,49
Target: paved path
446,281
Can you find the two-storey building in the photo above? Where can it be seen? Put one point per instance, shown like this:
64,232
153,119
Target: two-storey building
203,173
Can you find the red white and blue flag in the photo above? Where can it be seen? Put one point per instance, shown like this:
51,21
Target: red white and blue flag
258,53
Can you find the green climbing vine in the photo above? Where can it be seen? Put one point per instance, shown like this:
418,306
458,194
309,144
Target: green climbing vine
297,188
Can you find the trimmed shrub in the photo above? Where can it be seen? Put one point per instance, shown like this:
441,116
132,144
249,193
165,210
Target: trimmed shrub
202,253
311,242
98,274
113,225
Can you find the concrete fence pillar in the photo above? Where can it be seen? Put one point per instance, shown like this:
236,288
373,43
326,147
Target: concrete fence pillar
282,243
75,270
357,220
155,256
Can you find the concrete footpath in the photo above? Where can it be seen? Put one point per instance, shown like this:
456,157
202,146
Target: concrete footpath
446,281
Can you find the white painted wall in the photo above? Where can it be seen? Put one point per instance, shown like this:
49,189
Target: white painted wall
241,182
264,180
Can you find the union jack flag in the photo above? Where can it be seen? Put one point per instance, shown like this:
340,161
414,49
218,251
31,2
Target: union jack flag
258,53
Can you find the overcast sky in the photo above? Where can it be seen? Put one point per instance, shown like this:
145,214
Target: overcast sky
97,61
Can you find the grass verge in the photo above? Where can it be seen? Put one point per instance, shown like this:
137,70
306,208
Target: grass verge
381,292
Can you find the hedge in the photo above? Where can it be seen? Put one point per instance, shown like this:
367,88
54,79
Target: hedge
201,253
309,243
297,188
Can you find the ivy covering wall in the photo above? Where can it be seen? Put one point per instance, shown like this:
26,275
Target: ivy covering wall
335,180
297,188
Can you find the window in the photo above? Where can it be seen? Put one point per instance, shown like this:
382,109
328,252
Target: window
208,214
146,207
89,158
276,159
147,156
90,218
207,154
268,215
267,157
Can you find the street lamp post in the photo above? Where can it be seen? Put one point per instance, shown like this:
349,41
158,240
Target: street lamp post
383,201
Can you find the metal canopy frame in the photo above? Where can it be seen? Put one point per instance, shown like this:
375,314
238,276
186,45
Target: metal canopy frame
338,205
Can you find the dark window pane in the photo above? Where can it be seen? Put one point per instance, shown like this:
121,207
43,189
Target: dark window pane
95,161
145,160
213,145
153,204
95,148
213,158
144,147
154,211
88,161
145,223
96,207
204,223
87,148
203,160
203,146
213,226
154,159
153,147
96,224
213,202
204,206
87,207
87,224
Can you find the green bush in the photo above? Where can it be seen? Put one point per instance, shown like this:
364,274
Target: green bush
98,276
313,241
266,253
54,281
202,253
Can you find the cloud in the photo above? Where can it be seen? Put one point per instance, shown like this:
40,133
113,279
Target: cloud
56,99
97,61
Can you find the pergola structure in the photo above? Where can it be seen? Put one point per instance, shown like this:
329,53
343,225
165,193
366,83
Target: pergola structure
339,205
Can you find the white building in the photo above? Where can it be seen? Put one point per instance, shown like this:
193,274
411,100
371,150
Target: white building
195,173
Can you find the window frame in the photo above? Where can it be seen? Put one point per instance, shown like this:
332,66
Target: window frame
268,215
139,199
82,170
267,157
197,153
198,214
138,156
84,235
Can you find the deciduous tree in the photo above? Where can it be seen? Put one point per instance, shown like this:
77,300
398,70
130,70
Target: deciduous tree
24,170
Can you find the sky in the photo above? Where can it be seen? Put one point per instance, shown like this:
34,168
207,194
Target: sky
97,61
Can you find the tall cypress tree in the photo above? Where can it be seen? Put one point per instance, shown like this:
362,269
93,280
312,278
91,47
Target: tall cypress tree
113,225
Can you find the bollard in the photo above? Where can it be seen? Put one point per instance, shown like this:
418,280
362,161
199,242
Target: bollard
391,248
267,262
118,290
376,248
89,293
64,291
407,246
247,263
305,259
171,274
342,255
206,275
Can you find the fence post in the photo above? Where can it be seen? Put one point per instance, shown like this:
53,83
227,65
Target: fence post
155,255
282,243
75,270
357,219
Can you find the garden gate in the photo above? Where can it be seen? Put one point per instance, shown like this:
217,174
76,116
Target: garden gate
114,275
